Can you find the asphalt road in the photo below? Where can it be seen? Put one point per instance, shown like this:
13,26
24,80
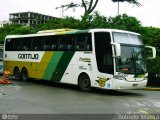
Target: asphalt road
49,98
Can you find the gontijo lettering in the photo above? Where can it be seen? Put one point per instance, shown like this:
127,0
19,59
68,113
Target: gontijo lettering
28,56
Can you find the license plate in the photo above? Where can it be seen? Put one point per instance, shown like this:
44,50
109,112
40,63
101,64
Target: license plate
135,85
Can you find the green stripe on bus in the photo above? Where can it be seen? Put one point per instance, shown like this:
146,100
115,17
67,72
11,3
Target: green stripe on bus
52,65
62,66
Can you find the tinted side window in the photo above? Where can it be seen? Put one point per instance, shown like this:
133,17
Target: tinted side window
26,44
66,42
50,43
13,44
83,42
71,42
37,44
9,44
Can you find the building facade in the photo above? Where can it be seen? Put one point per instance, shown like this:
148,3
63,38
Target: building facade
29,18
3,23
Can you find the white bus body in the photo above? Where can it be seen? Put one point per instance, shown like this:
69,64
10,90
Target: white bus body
102,58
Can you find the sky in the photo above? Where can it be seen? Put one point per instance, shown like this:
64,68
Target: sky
148,13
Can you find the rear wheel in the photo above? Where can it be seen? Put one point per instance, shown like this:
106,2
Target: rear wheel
17,73
84,83
24,74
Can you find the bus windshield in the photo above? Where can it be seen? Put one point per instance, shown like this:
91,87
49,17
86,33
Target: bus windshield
133,58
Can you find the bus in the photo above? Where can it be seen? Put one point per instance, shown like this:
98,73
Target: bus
1,58
102,58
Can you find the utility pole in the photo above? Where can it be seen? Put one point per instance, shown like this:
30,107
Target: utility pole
62,12
68,6
118,7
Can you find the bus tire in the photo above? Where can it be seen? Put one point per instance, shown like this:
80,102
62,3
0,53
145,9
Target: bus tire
84,82
24,75
17,73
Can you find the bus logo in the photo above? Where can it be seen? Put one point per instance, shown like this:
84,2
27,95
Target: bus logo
102,81
85,59
28,56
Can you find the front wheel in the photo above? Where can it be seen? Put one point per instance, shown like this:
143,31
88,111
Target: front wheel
24,74
84,83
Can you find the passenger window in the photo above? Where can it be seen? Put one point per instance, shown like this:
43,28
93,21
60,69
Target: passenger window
17,44
63,44
66,43
9,44
36,43
80,45
25,44
71,43
47,47
50,43
83,42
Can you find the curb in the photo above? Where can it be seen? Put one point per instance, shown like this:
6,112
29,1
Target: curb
152,88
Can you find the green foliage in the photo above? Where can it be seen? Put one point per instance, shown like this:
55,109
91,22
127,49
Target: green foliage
23,30
98,21
14,29
153,66
150,35
125,22
68,22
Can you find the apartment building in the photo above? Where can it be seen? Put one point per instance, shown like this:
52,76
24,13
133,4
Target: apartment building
29,18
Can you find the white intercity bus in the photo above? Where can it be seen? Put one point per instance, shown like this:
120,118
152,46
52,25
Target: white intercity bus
102,58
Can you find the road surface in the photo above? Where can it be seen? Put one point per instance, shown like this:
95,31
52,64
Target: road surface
49,98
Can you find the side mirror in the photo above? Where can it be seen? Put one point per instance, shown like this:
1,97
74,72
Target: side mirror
153,52
117,49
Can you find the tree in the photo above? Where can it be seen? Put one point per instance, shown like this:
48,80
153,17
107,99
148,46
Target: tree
124,22
14,29
129,1
90,5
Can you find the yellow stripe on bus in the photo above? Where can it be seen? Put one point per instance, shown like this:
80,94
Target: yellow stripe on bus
35,69
41,67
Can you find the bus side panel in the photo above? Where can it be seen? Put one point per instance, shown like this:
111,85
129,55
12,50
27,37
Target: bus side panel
41,67
58,65
51,65
10,65
80,63
48,66
102,80
20,59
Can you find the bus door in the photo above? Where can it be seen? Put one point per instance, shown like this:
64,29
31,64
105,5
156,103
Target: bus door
104,59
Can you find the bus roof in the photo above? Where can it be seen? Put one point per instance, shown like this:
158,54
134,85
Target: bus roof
68,31
113,30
